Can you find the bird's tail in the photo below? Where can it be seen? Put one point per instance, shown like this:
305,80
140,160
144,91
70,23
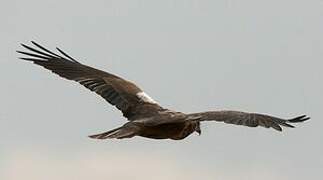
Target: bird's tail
118,133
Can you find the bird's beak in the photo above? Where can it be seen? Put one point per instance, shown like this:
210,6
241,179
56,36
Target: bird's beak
199,132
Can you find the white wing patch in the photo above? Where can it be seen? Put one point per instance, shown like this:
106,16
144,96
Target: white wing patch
144,97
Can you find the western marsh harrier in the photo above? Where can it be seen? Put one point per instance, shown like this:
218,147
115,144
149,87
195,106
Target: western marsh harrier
145,116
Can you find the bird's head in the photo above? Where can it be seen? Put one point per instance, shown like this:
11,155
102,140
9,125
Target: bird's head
198,128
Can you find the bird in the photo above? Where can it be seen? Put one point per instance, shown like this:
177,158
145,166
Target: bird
145,116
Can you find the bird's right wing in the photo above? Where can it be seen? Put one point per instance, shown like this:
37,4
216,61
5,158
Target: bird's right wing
248,119
123,94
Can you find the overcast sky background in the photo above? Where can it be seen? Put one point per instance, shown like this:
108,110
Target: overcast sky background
251,55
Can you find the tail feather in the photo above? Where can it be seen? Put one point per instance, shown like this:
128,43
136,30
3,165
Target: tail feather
118,133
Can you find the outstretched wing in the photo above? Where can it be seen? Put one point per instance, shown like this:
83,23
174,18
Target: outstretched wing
248,119
123,94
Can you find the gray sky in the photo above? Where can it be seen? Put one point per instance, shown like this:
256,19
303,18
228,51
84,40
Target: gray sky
251,55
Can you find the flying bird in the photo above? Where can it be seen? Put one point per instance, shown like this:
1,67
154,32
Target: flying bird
146,117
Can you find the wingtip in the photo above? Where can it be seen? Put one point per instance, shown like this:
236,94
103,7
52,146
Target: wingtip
28,59
306,119
299,119
20,52
59,50
34,43
25,46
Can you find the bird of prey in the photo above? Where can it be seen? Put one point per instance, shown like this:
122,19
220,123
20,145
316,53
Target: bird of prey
146,118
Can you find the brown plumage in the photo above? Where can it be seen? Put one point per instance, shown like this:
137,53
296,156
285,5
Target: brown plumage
146,117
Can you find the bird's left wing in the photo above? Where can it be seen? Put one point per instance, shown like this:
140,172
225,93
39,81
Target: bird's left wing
248,119
123,94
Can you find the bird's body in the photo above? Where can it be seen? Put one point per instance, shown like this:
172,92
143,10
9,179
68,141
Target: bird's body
175,131
178,127
146,117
